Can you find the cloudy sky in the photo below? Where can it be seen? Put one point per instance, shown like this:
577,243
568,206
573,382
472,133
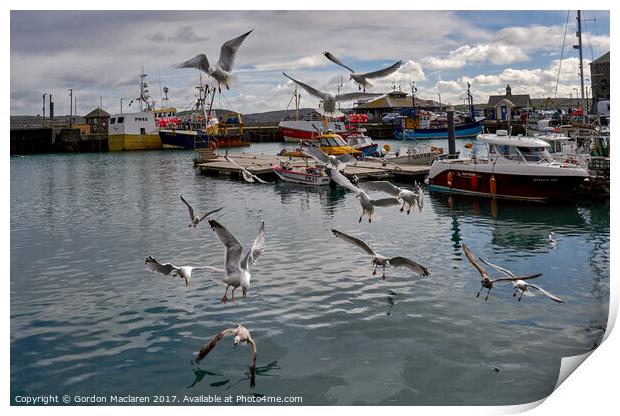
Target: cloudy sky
100,54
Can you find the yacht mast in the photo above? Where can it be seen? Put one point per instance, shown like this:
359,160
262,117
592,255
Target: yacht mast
580,47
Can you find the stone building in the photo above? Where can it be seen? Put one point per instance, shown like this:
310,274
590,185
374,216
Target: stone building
599,74
509,105
98,120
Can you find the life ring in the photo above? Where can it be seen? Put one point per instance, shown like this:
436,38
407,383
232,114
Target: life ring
212,145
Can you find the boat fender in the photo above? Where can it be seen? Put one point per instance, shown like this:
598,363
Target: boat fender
493,185
474,181
450,176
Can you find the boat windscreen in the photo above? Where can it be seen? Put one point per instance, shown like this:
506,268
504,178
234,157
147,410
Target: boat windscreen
533,154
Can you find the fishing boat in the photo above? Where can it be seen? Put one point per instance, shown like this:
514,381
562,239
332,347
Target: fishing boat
329,142
135,131
515,167
359,141
308,130
301,174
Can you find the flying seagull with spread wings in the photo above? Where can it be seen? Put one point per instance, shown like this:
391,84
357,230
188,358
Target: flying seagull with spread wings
242,334
183,272
362,79
486,281
408,197
237,271
195,219
520,284
334,162
329,100
379,260
368,204
222,70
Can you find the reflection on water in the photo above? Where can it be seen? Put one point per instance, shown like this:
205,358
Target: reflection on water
86,317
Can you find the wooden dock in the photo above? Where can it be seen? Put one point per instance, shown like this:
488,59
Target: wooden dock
260,165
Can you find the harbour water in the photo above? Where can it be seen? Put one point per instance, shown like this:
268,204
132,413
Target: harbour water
87,318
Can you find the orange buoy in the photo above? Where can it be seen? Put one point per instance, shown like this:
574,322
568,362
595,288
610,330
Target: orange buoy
474,181
493,185
450,176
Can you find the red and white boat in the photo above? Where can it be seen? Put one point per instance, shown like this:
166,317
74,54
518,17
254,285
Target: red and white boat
302,174
514,167
309,130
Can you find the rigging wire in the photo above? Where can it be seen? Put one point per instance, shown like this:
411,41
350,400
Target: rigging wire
557,82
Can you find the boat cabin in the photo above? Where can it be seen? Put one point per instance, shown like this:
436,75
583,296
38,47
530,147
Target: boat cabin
140,123
520,149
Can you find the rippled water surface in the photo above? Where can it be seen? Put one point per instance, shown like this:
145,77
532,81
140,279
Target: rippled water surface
86,317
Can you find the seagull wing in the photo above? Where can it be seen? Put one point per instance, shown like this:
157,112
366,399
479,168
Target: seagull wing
341,180
410,264
211,344
499,269
514,279
472,260
247,175
384,202
199,62
211,212
336,61
346,159
232,255
544,292
229,50
252,345
210,268
316,154
189,207
382,186
257,249
355,241
153,265
309,89
383,72
349,96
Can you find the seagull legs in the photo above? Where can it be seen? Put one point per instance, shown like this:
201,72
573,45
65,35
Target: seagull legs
233,300
522,292
478,295
383,276
225,298
374,271
487,297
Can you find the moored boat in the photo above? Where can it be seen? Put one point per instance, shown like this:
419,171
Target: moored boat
330,143
359,141
308,130
133,131
515,167
301,174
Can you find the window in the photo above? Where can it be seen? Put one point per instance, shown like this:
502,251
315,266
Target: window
112,120
532,154
509,152
121,120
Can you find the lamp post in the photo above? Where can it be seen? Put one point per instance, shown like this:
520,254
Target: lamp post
439,101
70,107
44,94
451,142
413,91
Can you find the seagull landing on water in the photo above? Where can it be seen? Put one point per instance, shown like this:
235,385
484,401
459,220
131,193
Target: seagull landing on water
552,240
379,260
237,271
221,71
486,281
362,79
247,175
408,197
183,272
368,205
329,100
195,219
520,284
242,334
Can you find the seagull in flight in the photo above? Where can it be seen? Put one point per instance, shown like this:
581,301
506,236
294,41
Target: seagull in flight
329,100
486,281
237,271
520,284
333,162
362,79
368,205
221,71
242,334
408,197
195,219
247,175
379,260
183,272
